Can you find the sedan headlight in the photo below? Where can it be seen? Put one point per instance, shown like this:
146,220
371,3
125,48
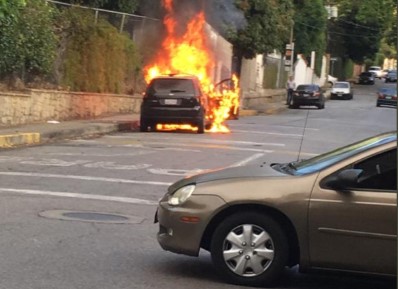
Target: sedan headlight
181,195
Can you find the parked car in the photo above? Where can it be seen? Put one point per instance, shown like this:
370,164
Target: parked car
387,96
332,80
341,90
308,94
366,78
335,211
391,76
174,99
384,72
376,70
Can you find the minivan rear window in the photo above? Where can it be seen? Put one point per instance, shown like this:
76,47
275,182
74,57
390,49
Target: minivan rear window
169,85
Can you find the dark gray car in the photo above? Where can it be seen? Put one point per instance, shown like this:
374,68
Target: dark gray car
174,99
308,94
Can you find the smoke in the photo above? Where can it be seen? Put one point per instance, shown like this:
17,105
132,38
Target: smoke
223,15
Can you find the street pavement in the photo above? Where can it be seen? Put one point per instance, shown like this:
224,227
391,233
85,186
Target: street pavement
52,131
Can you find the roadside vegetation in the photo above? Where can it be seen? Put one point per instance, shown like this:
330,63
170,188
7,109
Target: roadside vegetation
43,45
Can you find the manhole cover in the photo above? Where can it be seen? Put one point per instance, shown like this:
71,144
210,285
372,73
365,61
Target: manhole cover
85,216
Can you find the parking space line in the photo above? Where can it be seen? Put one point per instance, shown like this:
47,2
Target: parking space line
80,196
84,178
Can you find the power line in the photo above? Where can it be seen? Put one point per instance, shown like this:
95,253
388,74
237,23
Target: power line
338,33
359,25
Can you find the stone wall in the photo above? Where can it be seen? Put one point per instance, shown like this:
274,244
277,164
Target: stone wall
261,97
35,106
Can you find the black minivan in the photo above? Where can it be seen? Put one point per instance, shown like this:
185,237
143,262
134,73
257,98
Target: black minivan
174,99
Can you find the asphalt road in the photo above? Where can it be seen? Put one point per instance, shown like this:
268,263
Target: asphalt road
44,189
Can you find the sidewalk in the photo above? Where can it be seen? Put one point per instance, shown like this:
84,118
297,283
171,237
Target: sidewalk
52,131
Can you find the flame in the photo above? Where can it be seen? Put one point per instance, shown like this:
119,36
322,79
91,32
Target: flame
189,54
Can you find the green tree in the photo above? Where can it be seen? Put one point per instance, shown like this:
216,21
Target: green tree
96,57
9,8
268,27
125,6
364,24
310,22
27,41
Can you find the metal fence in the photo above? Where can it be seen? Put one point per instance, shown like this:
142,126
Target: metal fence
143,30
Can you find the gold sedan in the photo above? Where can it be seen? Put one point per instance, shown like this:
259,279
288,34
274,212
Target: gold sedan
336,211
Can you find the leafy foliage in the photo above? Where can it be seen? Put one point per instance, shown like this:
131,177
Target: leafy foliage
309,29
268,27
27,41
97,58
126,6
364,24
9,8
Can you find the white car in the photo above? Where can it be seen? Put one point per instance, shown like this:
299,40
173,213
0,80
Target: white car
332,80
341,90
376,70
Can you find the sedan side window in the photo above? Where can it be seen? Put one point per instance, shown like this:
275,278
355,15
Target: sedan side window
379,172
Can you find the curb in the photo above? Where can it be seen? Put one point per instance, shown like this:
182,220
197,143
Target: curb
20,139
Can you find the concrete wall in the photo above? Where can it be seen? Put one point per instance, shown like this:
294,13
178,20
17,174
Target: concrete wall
222,52
34,106
303,74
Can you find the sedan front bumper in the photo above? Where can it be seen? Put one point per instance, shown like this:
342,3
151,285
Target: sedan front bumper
181,227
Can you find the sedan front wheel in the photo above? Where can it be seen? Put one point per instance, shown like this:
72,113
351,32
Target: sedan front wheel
250,249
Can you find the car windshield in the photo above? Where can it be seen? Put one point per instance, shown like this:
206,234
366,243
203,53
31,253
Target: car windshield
341,85
306,87
388,90
375,68
171,85
325,160
366,74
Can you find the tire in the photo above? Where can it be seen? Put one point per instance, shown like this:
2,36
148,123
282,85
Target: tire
268,257
378,104
143,125
201,126
293,105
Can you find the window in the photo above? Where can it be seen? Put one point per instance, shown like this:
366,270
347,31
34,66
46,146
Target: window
379,172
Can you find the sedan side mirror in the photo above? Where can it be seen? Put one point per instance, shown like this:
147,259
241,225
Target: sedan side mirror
345,179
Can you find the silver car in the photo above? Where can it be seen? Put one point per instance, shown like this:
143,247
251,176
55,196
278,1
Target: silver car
336,211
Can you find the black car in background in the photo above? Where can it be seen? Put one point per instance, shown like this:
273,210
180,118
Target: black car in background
391,76
308,94
366,78
174,99
387,96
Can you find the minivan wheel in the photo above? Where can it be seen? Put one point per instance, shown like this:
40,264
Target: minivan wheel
249,249
201,126
143,125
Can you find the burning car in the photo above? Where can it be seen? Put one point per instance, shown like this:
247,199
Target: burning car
222,96
174,100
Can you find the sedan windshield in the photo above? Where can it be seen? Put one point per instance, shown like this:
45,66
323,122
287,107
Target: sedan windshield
325,160
306,87
341,85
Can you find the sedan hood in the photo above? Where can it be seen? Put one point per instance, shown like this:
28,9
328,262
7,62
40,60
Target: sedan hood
227,173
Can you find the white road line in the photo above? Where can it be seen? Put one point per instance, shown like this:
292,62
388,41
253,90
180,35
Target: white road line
188,141
84,178
80,196
270,133
247,160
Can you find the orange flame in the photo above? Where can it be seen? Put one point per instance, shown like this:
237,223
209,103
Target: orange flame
189,54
